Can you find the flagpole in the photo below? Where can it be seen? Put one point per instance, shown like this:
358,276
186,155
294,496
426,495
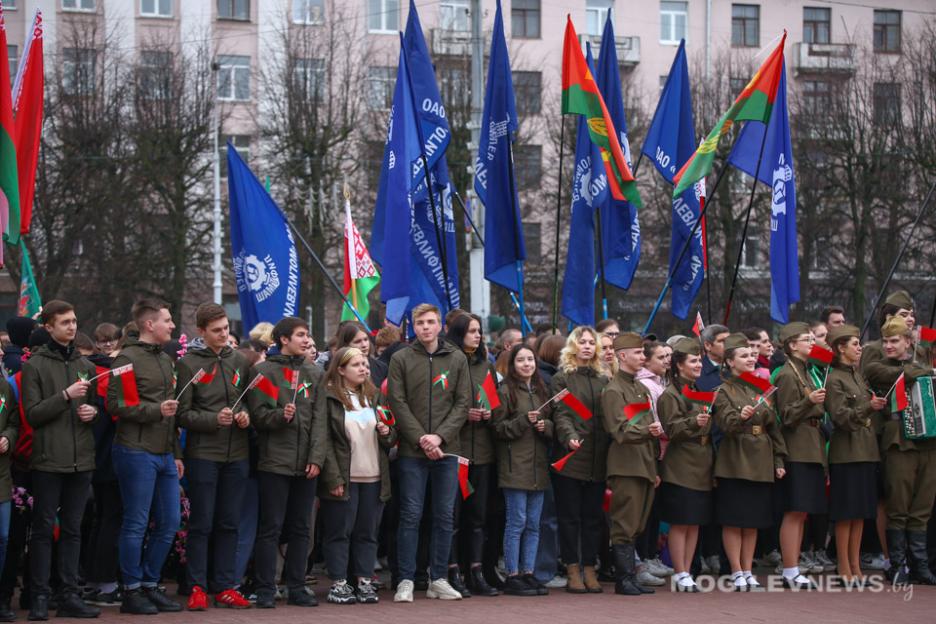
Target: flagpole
555,313
601,265
747,220
682,253
706,273
519,220
893,269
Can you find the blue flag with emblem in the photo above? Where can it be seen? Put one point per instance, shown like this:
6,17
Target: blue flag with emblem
620,227
776,171
504,250
669,144
266,264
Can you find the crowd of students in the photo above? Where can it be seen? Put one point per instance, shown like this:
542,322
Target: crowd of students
543,462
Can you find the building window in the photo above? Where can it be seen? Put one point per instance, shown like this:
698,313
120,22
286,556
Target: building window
736,85
887,31
817,25
745,25
383,16
454,15
596,13
674,16
156,8
234,78
9,5
533,241
78,70
234,10
309,78
886,103
528,166
817,96
12,54
525,19
380,84
311,12
241,143
77,5
752,248
155,72
528,88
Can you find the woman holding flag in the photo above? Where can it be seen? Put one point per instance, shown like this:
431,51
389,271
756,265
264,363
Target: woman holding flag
579,482
355,480
476,442
523,428
750,457
685,498
800,409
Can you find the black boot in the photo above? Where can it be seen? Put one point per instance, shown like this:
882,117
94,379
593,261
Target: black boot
135,602
478,584
457,582
162,602
897,548
6,610
39,608
919,560
71,605
625,582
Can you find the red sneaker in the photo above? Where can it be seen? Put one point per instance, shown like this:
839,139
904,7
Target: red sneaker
198,601
232,599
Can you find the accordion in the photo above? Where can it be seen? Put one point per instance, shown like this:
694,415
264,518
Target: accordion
919,420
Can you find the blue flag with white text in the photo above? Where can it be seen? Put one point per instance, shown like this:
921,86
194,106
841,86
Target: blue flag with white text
504,249
776,171
266,264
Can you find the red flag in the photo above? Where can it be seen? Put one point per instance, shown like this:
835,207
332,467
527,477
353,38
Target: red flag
898,402
559,464
820,356
927,336
756,383
634,409
698,326
576,406
127,395
28,93
268,388
386,416
463,483
102,380
698,396
9,176
205,378
292,377
487,393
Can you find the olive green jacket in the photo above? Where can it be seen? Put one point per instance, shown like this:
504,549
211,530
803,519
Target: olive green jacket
745,452
633,451
799,417
61,442
476,439
522,451
882,374
689,458
9,429
590,462
848,402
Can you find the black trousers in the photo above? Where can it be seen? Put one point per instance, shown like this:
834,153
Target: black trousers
647,543
108,513
285,508
216,492
67,494
349,530
470,518
20,522
580,516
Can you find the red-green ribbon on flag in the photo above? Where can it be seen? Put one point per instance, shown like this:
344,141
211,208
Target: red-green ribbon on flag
385,415
236,379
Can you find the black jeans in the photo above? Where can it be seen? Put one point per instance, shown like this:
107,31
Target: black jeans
216,492
108,515
470,518
580,516
350,526
67,494
285,508
20,521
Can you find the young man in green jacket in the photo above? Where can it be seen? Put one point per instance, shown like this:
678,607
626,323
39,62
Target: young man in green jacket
430,393
141,394
57,405
211,378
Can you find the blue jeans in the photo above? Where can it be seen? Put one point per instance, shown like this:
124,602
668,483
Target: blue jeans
4,529
442,475
148,483
522,529
547,557
247,528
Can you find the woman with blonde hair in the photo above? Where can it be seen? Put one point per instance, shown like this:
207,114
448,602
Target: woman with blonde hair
580,484
608,361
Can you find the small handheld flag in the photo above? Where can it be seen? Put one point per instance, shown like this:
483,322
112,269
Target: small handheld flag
927,337
698,326
556,397
199,374
820,356
758,384
560,463
698,397
487,393
463,483
385,415
763,398
576,406
127,395
898,395
270,390
632,410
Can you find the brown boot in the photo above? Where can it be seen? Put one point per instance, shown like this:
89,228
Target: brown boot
575,585
591,580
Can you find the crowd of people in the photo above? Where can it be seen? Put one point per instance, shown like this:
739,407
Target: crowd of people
457,465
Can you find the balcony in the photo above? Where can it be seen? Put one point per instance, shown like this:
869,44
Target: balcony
628,48
447,42
824,58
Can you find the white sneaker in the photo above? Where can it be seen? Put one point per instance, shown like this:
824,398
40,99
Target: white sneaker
873,562
404,592
752,583
441,589
557,582
656,567
645,578
740,584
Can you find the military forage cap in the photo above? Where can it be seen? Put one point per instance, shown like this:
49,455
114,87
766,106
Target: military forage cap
690,346
736,341
901,299
895,326
628,340
792,330
842,331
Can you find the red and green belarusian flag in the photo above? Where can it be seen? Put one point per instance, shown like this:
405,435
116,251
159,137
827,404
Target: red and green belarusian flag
757,384
572,402
463,483
487,393
632,410
927,337
385,415
127,394
28,94
29,302
9,174
267,388
754,103
360,274
580,95
820,356
898,398
699,397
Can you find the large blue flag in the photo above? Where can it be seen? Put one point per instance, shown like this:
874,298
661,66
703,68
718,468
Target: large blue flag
266,265
776,171
589,190
504,250
620,228
670,143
